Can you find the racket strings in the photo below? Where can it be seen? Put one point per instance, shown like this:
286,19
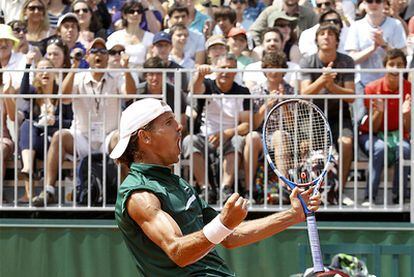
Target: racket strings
298,141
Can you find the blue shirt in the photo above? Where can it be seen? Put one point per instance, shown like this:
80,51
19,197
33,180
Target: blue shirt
199,21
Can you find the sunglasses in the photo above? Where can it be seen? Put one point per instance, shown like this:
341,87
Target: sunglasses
332,21
133,11
282,25
56,40
327,4
102,51
18,30
33,8
85,10
115,52
374,1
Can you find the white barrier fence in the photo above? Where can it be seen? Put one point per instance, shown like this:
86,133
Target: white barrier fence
12,186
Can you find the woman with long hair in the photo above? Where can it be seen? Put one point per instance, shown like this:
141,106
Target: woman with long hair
90,27
58,53
34,15
42,121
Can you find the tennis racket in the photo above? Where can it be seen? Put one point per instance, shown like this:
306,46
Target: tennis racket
297,143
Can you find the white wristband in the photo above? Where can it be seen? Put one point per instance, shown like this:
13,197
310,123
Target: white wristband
215,231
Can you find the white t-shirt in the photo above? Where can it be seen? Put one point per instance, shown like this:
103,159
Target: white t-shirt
16,61
195,43
137,52
259,77
307,43
359,38
104,111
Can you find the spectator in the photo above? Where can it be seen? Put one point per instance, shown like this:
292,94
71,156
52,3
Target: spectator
100,12
237,42
197,20
274,85
327,57
19,31
115,52
286,26
55,9
233,139
216,46
307,44
368,40
154,85
34,15
306,18
272,42
224,19
58,53
10,59
136,40
253,10
239,6
195,43
8,112
389,84
44,120
152,17
89,26
161,47
11,9
68,30
89,115
179,35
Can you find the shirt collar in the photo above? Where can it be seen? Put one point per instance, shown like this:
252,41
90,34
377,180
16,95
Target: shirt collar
88,78
154,170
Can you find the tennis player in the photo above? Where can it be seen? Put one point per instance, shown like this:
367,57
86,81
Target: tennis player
169,230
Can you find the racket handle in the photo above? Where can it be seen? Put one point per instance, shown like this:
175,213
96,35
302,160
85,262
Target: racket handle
314,244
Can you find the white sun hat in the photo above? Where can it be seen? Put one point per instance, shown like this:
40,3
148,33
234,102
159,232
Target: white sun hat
136,116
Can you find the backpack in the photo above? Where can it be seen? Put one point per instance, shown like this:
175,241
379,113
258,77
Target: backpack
97,186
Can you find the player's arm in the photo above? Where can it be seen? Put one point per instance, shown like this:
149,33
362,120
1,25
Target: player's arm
256,230
145,209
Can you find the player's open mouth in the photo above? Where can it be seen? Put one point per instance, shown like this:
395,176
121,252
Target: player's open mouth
179,143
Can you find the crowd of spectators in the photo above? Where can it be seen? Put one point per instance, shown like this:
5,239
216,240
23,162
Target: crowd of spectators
203,36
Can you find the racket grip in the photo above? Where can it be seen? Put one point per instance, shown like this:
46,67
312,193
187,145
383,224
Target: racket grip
314,244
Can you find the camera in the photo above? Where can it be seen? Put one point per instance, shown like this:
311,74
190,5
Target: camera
77,54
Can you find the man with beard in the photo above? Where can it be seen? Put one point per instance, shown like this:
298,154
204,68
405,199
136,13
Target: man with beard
95,119
168,229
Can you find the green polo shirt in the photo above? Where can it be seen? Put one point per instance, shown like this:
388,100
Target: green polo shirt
182,203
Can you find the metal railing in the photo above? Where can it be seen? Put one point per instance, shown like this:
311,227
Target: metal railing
64,186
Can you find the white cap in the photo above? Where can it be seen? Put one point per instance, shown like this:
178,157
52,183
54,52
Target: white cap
67,16
136,116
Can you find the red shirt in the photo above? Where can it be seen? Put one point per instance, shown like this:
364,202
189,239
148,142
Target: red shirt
380,86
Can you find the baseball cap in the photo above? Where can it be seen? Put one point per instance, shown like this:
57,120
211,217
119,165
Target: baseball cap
112,43
136,116
279,15
6,32
236,31
215,39
161,36
67,16
97,41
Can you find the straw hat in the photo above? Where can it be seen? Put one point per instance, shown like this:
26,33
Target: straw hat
6,32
